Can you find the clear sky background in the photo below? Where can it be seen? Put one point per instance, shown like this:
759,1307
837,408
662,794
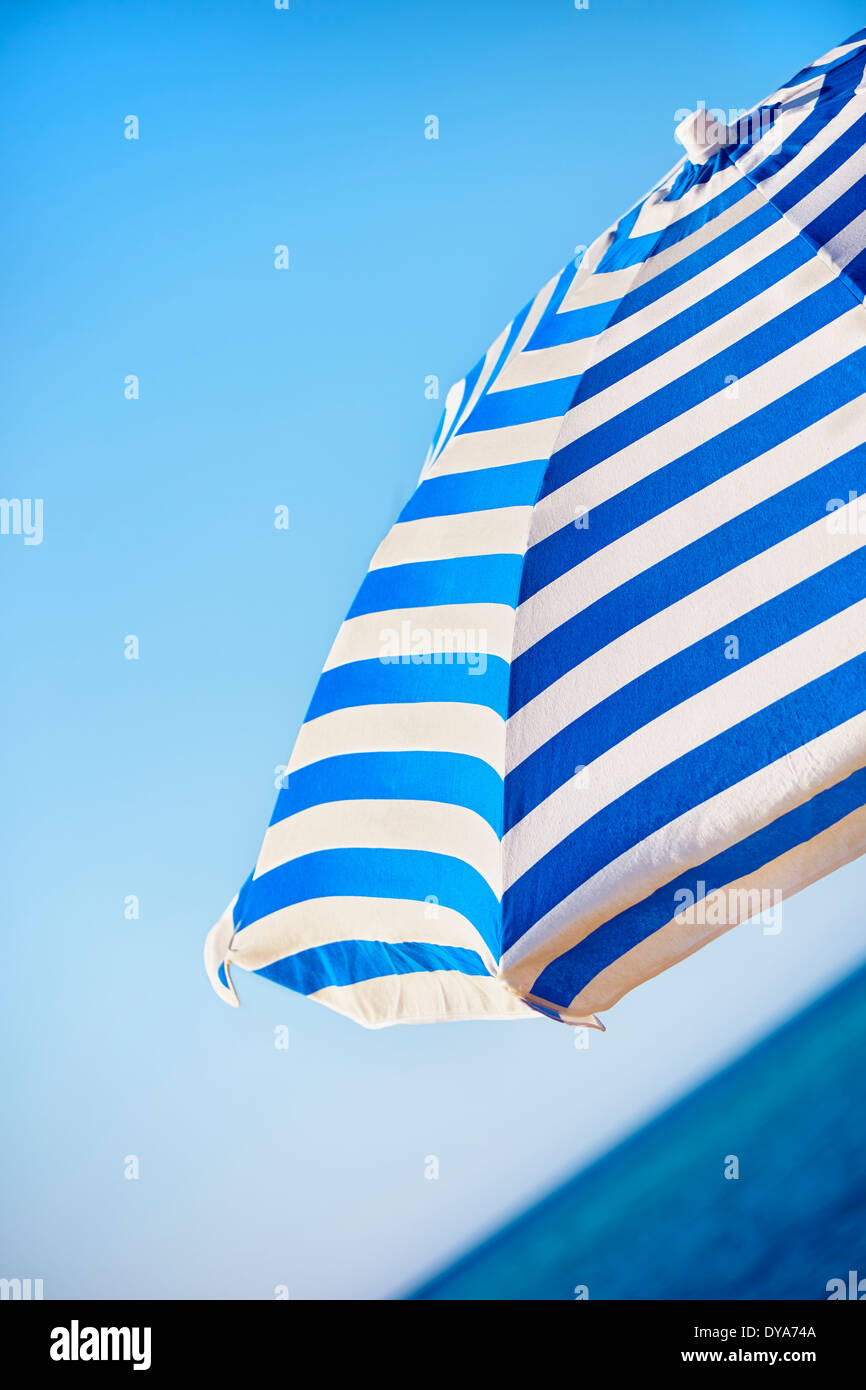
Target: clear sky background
304,387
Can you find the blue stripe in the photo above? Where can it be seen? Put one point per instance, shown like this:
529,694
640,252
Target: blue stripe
805,73
472,379
454,778
480,489
440,425
831,221
675,680
562,980
749,129
682,573
469,383
854,275
819,170
827,106
473,579
720,456
352,962
627,252
682,785
709,309
375,682
662,284
572,324
753,350
564,282
416,875
521,405
837,90
238,909
692,175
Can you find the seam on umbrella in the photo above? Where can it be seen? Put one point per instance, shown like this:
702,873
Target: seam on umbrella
816,247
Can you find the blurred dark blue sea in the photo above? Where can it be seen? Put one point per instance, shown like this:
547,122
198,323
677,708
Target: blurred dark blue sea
656,1218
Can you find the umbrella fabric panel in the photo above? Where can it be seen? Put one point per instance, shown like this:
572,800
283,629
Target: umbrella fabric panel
693,647
378,886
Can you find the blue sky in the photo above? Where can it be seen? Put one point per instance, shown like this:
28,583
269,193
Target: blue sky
305,387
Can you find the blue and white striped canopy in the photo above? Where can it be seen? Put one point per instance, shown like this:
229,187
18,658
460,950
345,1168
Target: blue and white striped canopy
602,693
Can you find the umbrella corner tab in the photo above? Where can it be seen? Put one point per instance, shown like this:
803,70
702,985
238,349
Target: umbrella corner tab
216,956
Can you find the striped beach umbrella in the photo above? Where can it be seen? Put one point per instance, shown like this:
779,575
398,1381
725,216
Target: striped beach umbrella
601,695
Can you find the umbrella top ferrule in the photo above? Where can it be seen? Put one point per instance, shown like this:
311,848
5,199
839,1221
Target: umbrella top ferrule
701,135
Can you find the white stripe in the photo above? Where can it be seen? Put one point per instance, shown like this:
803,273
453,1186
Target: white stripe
436,827
611,286
491,357
847,244
770,381
668,853
372,634
743,258
823,140
487,376
558,601
659,215
529,325
786,875
615,284
797,105
318,921
695,517
696,351
497,447
695,290
835,53
434,726
548,364
674,629
830,436
493,531
788,226
453,401
429,996
688,725
827,193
